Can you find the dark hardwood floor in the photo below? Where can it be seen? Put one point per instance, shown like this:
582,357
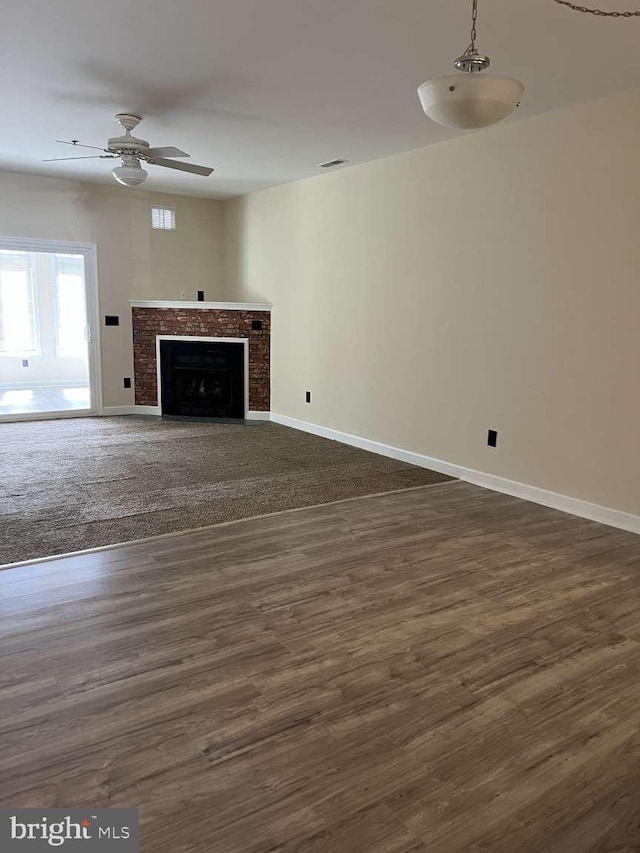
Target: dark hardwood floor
437,670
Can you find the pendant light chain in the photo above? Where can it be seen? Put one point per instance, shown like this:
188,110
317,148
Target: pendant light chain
611,14
474,21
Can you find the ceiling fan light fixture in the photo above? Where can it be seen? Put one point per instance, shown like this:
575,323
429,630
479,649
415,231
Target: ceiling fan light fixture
471,99
131,173
132,150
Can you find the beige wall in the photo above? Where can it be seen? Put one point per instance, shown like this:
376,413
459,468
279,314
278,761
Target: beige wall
492,281
134,262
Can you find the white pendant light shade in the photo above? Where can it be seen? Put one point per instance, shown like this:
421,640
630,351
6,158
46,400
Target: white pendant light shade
468,101
131,173
472,99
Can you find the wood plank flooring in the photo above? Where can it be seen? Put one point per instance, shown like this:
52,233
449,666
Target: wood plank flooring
442,669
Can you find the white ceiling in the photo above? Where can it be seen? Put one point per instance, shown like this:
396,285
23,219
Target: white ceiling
264,90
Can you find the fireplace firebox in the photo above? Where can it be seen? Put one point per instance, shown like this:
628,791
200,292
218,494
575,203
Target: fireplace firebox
202,378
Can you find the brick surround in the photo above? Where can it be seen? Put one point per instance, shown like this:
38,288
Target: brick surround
206,323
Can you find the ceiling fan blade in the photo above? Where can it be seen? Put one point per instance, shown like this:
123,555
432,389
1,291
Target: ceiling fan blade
90,157
77,144
182,167
168,151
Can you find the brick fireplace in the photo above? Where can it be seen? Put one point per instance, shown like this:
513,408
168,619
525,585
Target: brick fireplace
244,323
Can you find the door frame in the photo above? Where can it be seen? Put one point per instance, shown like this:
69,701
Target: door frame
90,253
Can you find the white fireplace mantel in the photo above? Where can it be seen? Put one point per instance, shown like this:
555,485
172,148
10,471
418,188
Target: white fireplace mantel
182,303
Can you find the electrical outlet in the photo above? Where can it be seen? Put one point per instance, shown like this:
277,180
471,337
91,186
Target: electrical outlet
492,438
308,396
127,382
25,362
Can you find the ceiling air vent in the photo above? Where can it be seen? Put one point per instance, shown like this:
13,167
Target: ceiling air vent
331,163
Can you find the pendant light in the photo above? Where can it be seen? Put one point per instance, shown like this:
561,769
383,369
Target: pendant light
131,173
470,100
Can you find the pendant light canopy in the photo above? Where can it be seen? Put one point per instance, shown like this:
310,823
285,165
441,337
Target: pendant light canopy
470,100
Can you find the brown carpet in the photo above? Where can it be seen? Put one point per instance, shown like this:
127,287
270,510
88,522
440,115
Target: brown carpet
67,485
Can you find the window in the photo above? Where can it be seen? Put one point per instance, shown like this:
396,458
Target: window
70,309
18,335
163,218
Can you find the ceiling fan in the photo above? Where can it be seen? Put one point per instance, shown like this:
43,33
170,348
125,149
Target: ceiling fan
131,151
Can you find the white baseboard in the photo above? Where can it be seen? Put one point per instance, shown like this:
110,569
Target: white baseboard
565,503
373,446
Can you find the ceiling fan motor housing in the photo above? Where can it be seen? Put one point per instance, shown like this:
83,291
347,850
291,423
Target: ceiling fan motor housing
127,145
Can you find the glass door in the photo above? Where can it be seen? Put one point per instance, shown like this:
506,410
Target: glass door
44,335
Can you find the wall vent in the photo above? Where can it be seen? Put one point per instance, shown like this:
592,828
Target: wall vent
163,218
331,163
